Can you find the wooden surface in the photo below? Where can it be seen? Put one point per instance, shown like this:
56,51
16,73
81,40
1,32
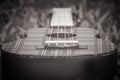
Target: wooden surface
36,38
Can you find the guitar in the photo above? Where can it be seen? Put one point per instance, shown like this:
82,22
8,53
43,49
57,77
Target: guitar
61,38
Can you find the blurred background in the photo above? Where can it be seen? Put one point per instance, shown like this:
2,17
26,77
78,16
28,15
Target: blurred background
18,16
